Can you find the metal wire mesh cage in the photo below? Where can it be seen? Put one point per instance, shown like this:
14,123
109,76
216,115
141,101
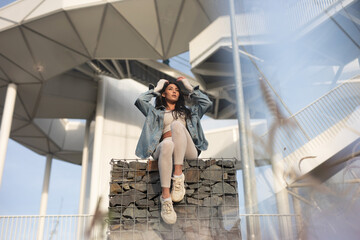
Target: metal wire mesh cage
209,210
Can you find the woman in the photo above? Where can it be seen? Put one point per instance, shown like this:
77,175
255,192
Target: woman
172,132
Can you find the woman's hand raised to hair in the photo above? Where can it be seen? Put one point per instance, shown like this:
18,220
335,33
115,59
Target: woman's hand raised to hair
186,83
160,85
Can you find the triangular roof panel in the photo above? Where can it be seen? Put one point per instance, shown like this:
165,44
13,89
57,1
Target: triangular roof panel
191,13
52,57
49,27
29,94
143,19
116,31
45,8
88,28
168,12
14,47
28,130
15,73
19,10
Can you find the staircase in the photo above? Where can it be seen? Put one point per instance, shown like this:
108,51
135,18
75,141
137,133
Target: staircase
323,129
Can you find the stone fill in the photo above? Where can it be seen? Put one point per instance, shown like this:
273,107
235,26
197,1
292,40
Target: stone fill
209,210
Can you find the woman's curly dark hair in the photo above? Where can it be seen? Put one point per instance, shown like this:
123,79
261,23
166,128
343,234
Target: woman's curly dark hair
180,107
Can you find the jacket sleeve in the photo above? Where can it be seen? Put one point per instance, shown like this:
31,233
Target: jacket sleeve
202,103
143,101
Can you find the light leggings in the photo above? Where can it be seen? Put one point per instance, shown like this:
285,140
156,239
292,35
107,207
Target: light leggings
179,146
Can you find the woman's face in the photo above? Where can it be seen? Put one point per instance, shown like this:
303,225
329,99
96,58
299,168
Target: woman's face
171,93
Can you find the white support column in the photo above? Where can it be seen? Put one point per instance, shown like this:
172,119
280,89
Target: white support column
84,178
6,124
44,197
99,125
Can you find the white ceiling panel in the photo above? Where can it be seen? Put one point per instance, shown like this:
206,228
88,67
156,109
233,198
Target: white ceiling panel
45,8
143,19
53,147
37,150
72,157
168,13
191,15
119,40
44,124
29,130
38,143
3,77
19,110
18,123
50,26
19,10
5,24
15,73
88,27
29,94
54,58
13,47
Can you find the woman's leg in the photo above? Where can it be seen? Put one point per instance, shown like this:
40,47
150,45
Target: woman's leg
184,147
163,153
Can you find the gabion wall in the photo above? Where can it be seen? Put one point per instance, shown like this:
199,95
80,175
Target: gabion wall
209,210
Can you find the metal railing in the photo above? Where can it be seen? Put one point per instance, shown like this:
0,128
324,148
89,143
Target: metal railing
304,11
273,226
55,227
319,116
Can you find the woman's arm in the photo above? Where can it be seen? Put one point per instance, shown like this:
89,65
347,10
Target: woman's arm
202,101
143,101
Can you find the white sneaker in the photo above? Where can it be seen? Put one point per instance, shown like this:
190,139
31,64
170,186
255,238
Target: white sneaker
178,189
167,211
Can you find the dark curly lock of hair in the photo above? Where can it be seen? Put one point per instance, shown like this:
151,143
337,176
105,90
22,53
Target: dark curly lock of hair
180,107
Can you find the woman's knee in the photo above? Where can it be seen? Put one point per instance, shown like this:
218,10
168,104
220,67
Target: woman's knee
167,146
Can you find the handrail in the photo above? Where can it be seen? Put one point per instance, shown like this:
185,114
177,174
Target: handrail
318,116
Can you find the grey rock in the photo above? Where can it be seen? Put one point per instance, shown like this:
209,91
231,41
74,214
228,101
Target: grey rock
145,203
133,212
212,201
204,189
155,213
199,163
226,163
120,164
195,185
138,186
189,192
151,177
194,201
126,198
153,189
138,165
200,195
213,173
223,188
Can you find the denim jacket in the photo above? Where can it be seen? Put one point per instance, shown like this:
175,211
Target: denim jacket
154,123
